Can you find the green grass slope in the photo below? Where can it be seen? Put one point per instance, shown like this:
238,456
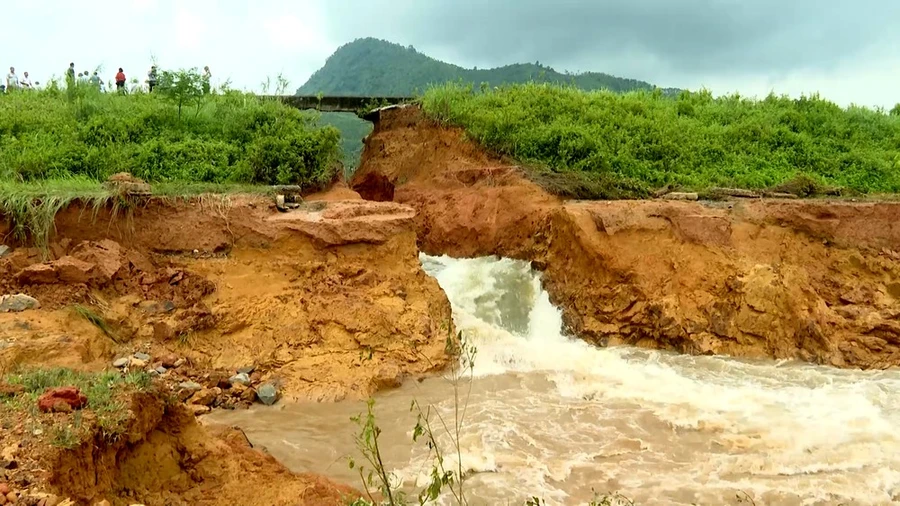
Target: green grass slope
626,145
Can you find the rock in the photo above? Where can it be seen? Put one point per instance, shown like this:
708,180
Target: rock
4,250
9,464
248,395
199,409
138,363
180,362
190,385
102,503
17,303
247,370
155,307
681,196
238,389
142,356
169,361
72,270
50,500
11,498
205,397
125,184
160,370
267,394
162,331
37,274
240,378
4,488
53,399
121,362
10,452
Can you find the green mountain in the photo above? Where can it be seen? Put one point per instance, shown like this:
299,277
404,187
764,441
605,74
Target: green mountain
373,67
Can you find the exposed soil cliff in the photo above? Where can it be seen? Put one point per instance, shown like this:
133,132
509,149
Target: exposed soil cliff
163,456
814,280
329,301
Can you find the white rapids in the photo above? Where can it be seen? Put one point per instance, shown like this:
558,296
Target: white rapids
553,417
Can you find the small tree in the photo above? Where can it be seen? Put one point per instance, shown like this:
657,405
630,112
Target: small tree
181,87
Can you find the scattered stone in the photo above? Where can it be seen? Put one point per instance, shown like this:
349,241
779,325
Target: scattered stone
248,395
160,370
37,274
49,500
247,370
125,184
54,399
190,385
180,362
119,363
4,488
17,303
735,192
142,356
156,307
240,378
199,409
681,196
267,394
154,373
38,432
205,397
4,250
72,270
102,503
138,363
169,361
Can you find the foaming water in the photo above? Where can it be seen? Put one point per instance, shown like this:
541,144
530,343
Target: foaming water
555,417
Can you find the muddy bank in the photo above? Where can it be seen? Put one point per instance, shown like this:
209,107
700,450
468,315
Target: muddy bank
328,301
162,456
811,280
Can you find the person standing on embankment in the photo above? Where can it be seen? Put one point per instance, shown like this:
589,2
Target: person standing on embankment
120,81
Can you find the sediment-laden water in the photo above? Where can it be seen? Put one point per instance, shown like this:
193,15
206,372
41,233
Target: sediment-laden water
551,416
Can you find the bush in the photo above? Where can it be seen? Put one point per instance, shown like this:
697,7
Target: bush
615,145
232,137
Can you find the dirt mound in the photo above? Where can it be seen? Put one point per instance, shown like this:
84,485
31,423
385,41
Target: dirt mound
161,457
813,280
328,301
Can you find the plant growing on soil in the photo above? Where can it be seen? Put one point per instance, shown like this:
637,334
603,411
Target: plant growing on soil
609,145
104,392
96,320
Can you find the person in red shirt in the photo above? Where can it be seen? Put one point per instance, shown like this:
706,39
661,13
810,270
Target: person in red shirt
120,81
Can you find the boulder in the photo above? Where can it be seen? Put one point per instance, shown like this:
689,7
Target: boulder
18,302
240,378
267,394
205,397
106,256
61,399
37,274
72,270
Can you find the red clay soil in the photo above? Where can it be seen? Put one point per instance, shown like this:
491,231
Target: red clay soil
162,457
812,280
329,301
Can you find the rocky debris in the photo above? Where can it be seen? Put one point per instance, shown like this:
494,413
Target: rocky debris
120,363
156,307
734,192
61,399
247,369
190,385
267,394
4,250
240,378
205,397
17,303
127,185
142,356
160,370
169,361
138,363
199,409
681,196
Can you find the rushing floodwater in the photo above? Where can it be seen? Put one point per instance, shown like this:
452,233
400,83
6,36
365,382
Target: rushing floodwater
554,417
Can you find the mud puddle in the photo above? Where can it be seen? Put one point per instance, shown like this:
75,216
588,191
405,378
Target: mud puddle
555,417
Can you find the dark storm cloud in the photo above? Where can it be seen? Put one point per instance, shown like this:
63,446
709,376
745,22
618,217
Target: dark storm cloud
683,36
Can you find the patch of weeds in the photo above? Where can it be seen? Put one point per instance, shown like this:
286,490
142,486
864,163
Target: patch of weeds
67,435
96,320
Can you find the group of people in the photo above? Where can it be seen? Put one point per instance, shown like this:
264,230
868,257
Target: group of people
14,83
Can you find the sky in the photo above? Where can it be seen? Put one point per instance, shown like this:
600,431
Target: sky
845,50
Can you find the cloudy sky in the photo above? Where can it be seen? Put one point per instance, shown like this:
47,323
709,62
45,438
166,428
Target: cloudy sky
845,49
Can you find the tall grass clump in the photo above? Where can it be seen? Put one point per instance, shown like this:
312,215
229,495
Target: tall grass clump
629,144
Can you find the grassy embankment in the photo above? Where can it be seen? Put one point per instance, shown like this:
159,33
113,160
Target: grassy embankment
606,145
58,145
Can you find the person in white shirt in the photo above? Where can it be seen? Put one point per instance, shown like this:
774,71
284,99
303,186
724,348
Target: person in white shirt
12,80
26,81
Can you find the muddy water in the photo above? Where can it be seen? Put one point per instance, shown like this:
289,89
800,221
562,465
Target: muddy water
551,416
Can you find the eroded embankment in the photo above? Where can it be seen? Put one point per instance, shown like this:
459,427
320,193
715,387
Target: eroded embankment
814,280
328,301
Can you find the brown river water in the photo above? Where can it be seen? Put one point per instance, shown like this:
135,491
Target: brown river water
553,417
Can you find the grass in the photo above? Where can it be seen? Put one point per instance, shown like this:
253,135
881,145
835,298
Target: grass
96,320
601,144
105,393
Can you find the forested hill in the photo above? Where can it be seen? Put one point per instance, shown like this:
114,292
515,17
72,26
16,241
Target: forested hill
373,67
